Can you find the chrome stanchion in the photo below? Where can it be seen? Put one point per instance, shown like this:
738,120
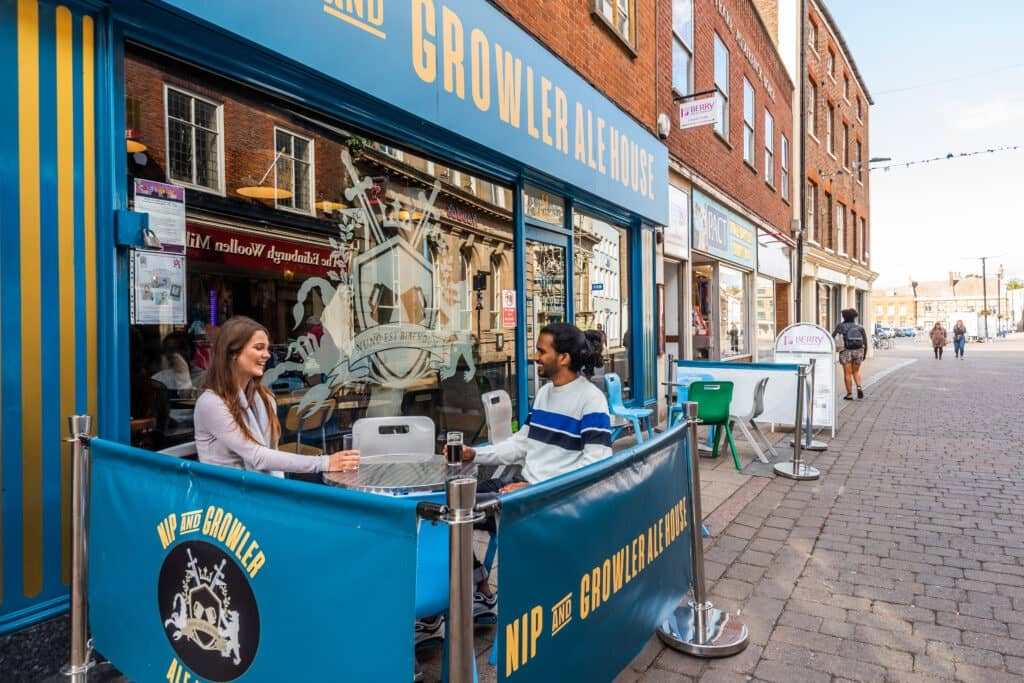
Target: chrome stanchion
796,469
810,443
697,628
77,669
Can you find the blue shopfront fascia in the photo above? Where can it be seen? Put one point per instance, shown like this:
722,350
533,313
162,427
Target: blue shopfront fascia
320,62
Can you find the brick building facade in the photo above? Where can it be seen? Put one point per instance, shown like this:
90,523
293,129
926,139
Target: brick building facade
732,296
837,227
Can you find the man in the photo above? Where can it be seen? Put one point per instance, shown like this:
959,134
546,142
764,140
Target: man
568,428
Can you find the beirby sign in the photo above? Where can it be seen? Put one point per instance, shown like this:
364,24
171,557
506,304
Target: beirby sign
698,112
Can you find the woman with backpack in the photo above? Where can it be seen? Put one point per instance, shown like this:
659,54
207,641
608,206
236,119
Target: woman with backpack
851,355
959,338
938,335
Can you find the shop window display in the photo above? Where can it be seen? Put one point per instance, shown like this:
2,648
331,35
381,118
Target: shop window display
601,267
765,319
732,314
375,299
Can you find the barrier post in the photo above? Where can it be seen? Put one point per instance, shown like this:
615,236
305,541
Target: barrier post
810,443
796,469
697,628
77,669
460,516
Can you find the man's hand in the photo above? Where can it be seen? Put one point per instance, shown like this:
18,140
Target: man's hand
514,486
468,453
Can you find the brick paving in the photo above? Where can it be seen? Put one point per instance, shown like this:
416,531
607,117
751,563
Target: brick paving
904,562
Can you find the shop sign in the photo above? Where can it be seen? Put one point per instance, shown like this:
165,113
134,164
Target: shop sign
720,232
802,342
861,284
239,249
466,67
508,308
677,231
158,288
597,287
700,112
773,256
830,275
460,215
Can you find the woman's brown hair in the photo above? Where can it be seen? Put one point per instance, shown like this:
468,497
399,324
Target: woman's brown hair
220,377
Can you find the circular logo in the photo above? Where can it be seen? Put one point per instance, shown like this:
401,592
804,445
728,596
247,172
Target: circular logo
208,610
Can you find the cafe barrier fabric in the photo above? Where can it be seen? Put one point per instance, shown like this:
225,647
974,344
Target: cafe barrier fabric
204,573
592,563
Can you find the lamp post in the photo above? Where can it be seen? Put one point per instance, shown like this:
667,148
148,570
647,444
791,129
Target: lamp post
984,288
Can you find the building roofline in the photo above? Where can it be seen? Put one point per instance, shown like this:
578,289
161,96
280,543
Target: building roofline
820,4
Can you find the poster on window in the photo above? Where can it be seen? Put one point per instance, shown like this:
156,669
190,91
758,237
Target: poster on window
158,288
165,205
508,308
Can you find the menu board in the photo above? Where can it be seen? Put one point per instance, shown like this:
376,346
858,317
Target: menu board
158,288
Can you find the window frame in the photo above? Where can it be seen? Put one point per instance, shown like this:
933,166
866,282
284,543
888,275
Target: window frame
221,189
784,165
831,64
310,210
723,95
812,113
630,41
812,36
687,47
830,130
769,148
749,123
829,244
840,236
846,145
810,220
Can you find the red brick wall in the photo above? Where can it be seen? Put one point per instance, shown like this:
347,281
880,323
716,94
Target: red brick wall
828,171
704,150
248,126
589,46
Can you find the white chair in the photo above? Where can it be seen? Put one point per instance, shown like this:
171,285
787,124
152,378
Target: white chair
498,414
748,422
183,450
379,436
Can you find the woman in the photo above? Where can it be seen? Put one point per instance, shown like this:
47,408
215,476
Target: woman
959,338
851,355
236,416
938,335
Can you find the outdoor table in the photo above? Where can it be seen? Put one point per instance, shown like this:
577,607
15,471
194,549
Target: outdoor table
399,474
685,384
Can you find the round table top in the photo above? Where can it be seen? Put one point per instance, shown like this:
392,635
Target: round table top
399,474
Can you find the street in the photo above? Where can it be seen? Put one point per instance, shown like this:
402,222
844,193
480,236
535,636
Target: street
905,560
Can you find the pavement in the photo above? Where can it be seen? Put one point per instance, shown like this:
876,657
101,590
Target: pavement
905,561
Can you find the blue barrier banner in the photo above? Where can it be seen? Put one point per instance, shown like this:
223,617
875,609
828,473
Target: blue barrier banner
592,563
200,573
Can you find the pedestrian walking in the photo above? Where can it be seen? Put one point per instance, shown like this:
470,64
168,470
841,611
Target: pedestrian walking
959,338
938,335
852,353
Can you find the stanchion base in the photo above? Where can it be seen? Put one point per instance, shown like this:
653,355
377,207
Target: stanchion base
803,472
815,445
77,673
726,635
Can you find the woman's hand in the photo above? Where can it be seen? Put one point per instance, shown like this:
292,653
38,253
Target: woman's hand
343,461
468,453
514,486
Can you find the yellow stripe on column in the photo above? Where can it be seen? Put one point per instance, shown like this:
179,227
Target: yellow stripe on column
66,261
31,322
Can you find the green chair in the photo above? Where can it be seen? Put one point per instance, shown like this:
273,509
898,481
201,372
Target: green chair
713,399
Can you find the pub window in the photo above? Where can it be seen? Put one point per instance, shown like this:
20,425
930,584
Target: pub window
722,87
293,171
620,17
194,141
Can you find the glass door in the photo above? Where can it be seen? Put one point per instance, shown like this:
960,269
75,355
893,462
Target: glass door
545,293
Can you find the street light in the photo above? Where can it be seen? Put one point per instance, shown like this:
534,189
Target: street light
984,287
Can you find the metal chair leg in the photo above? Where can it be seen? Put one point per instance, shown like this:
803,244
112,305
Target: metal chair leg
750,437
767,443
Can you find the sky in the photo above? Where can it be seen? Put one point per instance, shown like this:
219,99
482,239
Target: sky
928,220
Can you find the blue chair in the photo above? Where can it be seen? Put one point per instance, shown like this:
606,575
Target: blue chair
617,408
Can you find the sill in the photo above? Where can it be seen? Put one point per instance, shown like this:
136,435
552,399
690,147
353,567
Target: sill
750,166
724,140
830,251
198,188
831,154
624,42
771,185
298,212
813,137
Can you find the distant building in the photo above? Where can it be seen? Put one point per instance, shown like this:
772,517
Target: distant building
941,301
